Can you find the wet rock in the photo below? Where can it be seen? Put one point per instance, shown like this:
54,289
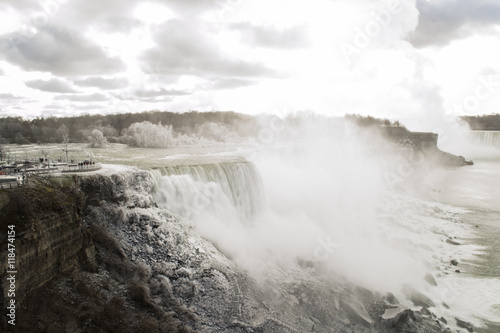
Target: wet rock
417,297
356,312
391,299
454,262
464,324
443,320
426,312
364,294
430,279
307,324
400,318
184,272
452,242
457,271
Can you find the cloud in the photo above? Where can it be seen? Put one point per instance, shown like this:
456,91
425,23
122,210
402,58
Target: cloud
183,48
84,97
160,92
441,22
2,73
221,84
197,7
151,95
272,37
118,24
102,83
10,97
61,52
52,85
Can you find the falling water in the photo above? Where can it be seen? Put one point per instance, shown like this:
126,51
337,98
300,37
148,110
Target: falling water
226,189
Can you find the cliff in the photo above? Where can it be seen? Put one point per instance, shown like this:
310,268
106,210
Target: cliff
424,143
50,237
95,254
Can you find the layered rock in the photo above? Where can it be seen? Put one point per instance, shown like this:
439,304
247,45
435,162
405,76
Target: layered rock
50,236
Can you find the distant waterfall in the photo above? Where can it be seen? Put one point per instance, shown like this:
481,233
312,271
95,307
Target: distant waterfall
229,190
487,138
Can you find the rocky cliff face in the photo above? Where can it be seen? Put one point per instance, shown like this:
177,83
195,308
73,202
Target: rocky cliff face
50,237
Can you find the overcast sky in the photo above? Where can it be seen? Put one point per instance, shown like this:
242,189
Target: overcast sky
399,59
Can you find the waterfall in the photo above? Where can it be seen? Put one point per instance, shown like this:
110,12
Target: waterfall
487,138
226,190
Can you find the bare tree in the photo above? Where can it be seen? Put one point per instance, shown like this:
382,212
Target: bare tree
65,142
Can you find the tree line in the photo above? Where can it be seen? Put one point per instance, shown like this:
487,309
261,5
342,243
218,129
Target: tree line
17,130
483,123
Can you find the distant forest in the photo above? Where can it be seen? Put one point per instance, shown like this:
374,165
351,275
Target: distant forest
483,123
154,128
78,129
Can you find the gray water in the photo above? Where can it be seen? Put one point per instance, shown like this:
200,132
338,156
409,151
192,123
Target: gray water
477,190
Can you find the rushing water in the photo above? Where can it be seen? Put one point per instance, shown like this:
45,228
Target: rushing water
476,189
225,188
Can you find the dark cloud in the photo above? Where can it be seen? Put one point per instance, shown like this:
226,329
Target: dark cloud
52,85
440,22
84,97
272,37
184,48
59,51
102,83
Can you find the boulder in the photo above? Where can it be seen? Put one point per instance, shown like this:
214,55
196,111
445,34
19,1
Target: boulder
400,317
464,324
417,297
454,262
356,312
391,299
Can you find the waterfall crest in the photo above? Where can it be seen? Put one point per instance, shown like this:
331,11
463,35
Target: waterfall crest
231,190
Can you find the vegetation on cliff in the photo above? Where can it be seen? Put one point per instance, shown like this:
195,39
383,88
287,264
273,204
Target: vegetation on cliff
483,123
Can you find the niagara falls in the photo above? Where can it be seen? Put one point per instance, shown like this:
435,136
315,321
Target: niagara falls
250,166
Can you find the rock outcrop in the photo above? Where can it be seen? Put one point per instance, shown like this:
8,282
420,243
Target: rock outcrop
424,143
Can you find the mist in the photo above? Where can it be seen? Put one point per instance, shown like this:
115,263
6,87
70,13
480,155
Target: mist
325,201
